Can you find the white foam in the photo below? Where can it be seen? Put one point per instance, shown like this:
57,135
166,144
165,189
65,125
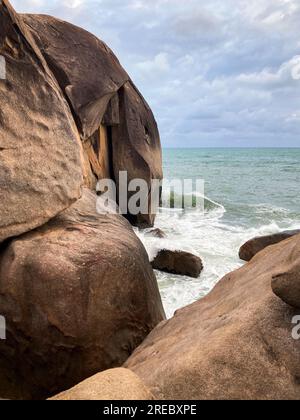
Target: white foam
208,236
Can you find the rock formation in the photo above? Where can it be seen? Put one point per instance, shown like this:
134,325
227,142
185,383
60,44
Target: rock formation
77,290
69,115
236,343
79,295
111,385
88,72
178,262
40,151
117,127
76,287
255,245
286,285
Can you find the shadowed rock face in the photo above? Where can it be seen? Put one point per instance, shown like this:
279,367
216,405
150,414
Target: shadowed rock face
286,286
236,343
41,166
79,295
136,145
99,91
255,245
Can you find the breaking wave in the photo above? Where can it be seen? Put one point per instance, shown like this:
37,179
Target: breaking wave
210,236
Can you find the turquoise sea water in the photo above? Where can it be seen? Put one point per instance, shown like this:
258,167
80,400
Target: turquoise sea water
249,192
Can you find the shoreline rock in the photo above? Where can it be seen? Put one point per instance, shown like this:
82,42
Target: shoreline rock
76,287
234,344
156,233
117,127
111,385
255,245
78,295
178,262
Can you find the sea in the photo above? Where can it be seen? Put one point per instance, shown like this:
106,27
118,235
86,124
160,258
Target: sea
248,193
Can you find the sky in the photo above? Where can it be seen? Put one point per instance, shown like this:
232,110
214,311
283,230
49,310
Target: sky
217,73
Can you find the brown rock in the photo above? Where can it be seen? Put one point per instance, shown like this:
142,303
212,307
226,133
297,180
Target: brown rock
286,285
178,262
78,295
40,151
236,343
156,233
136,146
254,246
112,385
100,91
87,70
98,152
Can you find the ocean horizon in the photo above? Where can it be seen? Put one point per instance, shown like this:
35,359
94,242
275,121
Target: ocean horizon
249,192
229,147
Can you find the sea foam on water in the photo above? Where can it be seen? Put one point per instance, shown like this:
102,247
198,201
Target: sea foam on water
208,235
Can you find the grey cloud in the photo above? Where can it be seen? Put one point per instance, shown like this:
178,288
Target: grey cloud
196,23
216,73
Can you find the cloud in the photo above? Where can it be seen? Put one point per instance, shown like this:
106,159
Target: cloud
287,74
217,73
73,4
193,24
157,66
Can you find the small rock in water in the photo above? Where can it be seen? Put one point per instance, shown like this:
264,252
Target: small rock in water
178,262
156,233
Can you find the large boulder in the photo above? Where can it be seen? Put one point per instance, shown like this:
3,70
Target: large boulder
100,92
79,295
112,385
236,343
41,165
255,245
61,82
178,262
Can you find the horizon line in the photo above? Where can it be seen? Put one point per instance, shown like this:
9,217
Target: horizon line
231,147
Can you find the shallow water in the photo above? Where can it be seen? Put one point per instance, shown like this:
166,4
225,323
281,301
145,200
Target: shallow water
249,192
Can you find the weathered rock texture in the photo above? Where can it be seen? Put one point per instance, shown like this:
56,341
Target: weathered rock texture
236,343
112,385
79,295
86,69
41,168
286,285
62,84
255,245
178,262
99,91
136,145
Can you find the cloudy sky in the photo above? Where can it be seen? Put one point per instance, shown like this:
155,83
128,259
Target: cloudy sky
216,72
